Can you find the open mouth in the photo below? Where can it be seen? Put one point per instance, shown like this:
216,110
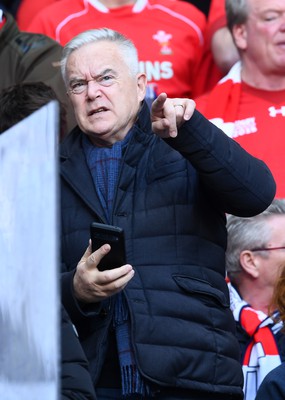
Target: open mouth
97,111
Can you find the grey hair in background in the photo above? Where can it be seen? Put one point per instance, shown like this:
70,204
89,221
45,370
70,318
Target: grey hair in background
247,234
127,47
237,12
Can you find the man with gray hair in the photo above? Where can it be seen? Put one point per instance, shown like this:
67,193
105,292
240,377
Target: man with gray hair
160,325
248,104
255,258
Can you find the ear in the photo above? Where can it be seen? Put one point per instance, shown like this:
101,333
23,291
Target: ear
249,263
240,36
141,86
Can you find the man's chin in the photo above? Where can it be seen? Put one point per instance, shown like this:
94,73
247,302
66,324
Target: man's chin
100,138
95,129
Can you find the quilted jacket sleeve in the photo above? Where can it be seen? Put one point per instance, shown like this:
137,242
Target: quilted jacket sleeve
237,182
76,383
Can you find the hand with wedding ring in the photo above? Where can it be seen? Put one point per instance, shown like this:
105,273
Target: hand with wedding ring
167,115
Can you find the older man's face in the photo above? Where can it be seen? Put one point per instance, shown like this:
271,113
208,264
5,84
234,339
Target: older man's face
270,263
262,38
105,96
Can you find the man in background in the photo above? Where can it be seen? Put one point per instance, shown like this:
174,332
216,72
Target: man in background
29,57
248,104
255,258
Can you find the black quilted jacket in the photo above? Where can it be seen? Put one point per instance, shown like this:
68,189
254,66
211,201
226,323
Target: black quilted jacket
76,382
171,199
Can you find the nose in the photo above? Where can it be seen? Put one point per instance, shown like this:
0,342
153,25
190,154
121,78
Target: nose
93,90
282,26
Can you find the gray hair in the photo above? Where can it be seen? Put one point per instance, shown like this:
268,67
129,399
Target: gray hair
247,234
126,46
237,12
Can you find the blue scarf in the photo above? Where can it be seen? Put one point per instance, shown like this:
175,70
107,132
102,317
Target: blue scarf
104,164
132,381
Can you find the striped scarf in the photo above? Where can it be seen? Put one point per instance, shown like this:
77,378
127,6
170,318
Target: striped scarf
262,354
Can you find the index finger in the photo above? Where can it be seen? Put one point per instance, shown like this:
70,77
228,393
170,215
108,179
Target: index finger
163,116
158,103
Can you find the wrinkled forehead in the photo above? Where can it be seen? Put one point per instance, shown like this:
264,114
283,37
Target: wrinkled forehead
276,223
95,57
265,6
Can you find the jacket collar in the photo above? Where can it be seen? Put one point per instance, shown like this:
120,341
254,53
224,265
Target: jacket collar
138,6
74,168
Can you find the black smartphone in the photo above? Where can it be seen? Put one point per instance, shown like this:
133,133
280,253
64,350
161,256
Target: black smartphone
114,236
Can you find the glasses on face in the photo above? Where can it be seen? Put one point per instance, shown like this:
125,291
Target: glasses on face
79,86
268,248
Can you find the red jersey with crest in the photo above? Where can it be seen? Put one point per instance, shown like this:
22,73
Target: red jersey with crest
255,119
167,33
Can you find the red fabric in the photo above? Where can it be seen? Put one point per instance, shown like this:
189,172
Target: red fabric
168,35
251,324
209,74
28,9
2,23
254,118
261,353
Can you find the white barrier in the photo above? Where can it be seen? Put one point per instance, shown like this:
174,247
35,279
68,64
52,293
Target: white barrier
29,293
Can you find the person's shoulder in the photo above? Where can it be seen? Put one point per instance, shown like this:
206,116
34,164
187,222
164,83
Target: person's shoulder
23,43
276,375
184,8
273,385
37,39
27,42
35,55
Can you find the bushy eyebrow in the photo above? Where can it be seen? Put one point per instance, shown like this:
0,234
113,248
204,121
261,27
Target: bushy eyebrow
96,77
